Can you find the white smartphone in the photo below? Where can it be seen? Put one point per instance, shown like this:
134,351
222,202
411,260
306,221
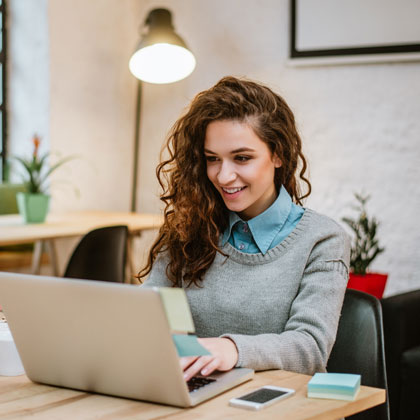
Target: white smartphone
262,397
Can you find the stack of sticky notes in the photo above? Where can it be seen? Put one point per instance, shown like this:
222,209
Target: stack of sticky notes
180,321
338,386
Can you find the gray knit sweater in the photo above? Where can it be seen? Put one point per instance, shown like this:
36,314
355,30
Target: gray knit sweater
281,309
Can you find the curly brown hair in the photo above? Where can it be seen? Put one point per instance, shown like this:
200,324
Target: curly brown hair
195,214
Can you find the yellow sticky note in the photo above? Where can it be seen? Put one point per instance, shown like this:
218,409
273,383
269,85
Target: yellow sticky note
177,309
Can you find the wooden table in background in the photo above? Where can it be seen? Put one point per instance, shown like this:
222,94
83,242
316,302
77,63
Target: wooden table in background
70,224
20,398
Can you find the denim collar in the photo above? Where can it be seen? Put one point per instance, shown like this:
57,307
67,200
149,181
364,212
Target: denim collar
266,225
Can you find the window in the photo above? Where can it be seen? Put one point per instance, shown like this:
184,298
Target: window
3,122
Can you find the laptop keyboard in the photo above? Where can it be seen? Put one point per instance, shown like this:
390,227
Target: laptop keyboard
197,382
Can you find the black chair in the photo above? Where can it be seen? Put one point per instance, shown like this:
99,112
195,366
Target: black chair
359,347
100,255
402,351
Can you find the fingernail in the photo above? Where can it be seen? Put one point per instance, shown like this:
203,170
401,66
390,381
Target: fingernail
204,371
185,376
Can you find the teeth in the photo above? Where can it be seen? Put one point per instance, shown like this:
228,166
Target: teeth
232,190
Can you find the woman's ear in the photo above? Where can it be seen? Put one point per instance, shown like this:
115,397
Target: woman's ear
276,161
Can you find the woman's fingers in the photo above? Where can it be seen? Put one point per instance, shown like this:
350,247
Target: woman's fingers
211,367
187,361
224,356
197,366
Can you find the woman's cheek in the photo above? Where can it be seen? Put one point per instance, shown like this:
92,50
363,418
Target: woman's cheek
211,173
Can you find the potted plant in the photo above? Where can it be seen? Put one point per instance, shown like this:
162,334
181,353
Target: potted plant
365,248
33,204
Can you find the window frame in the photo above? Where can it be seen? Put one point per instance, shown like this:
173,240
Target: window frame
3,105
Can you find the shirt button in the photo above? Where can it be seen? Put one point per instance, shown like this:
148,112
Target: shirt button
241,246
245,228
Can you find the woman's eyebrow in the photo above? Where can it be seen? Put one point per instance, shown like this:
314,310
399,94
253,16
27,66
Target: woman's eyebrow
240,150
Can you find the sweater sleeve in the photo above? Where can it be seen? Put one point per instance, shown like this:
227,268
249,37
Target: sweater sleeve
157,276
306,342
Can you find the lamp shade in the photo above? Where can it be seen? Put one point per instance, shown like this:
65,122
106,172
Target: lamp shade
161,56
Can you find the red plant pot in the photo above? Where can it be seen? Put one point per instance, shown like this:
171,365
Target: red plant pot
372,283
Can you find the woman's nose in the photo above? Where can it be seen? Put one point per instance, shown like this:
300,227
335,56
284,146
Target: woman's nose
226,174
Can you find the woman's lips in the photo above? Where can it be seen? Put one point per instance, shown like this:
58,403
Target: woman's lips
232,193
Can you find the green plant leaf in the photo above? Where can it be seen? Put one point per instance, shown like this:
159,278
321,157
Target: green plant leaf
36,177
365,247
53,168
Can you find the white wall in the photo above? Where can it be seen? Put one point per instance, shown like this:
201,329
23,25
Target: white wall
92,100
359,123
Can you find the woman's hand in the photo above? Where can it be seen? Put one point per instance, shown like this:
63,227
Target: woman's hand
224,356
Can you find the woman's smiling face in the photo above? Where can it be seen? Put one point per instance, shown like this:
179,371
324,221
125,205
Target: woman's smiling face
241,167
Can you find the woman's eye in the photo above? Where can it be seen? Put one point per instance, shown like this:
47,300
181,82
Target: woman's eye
211,158
242,158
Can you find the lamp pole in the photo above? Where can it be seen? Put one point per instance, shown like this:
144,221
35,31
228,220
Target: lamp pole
136,147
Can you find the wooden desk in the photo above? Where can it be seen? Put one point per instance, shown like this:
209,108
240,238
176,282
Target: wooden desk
64,225
20,399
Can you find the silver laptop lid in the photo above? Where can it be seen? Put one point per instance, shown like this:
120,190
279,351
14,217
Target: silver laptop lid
95,336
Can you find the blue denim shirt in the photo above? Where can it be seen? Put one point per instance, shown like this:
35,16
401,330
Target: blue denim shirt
265,231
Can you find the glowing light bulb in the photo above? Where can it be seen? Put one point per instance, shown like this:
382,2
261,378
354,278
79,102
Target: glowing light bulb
162,63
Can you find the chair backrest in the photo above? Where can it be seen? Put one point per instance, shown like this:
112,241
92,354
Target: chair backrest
401,315
359,347
8,204
100,255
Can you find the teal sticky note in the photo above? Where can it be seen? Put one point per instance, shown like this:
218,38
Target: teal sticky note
188,345
177,309
340,386
335,381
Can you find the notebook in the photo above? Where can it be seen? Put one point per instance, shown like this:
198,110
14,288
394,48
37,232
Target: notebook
102,337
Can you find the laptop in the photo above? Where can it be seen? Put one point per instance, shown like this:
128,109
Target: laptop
102,337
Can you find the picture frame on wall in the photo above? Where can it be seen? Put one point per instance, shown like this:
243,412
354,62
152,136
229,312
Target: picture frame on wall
354,31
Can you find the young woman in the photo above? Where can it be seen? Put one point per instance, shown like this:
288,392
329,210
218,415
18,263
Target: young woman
265,277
